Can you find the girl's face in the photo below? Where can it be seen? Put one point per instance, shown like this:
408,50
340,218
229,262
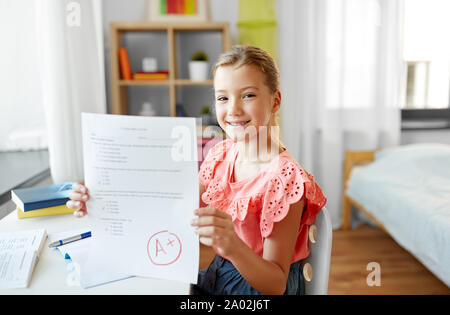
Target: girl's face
244,103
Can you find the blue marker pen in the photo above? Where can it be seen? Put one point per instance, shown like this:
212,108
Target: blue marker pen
70,239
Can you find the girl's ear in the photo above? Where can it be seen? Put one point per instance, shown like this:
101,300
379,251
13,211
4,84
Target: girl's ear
276,103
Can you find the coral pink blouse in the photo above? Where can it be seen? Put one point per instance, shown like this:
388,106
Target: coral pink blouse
259,201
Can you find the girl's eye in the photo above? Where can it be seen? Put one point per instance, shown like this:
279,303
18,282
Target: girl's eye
249,95
221,98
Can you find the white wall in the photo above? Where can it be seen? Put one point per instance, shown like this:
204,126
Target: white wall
439,136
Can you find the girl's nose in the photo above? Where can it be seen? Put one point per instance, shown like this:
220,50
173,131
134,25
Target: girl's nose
235,108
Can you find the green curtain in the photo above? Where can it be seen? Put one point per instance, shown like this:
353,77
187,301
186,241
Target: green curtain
257,24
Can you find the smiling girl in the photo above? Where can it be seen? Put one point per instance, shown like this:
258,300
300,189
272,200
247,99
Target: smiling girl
257,204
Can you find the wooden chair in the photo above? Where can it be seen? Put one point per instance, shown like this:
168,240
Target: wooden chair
316,267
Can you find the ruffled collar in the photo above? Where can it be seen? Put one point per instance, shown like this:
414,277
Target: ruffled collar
267,168
223,193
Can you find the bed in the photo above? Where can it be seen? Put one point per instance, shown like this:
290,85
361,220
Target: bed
405,190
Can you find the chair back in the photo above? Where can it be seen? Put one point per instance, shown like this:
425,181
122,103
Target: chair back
316,267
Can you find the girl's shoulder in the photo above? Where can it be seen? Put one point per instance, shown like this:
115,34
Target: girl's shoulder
286,184
287,174
285,169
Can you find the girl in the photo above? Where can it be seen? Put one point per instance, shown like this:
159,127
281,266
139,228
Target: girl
256,205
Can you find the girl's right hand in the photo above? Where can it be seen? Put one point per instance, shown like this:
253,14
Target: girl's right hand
78,198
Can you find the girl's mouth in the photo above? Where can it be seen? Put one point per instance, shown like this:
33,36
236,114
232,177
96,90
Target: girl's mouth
237,123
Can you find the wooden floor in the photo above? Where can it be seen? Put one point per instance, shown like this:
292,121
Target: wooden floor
400,272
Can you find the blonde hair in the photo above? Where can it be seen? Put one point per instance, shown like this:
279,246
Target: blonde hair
243,55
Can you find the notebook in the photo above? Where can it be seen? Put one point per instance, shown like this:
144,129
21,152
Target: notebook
19,253
57,210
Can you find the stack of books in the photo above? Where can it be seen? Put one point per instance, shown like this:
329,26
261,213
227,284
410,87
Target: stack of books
126,73
42,200
157,75
183,7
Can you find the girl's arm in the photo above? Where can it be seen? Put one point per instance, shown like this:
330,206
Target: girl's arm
277,255
216,229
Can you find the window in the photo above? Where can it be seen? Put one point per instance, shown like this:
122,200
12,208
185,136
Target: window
426,86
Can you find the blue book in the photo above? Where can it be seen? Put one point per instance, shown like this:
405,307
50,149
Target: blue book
41,197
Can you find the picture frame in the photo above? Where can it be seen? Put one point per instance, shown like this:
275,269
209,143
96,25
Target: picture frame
179,10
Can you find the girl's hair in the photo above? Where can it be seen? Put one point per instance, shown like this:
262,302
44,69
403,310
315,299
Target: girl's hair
242,55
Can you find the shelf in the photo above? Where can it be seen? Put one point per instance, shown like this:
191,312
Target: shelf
179,82
163,26
177,35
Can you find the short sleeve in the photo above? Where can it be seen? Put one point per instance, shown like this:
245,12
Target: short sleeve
287,187
315,200
215,155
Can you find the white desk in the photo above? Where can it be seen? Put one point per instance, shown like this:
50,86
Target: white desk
50,274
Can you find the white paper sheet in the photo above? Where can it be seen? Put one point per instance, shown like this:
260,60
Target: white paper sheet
66,249
79,272
142,176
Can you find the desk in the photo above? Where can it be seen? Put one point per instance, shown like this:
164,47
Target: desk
50,274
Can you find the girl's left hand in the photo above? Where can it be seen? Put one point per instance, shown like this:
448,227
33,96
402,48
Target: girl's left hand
215,228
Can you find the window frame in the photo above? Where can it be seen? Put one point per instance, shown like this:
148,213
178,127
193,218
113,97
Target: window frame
427,117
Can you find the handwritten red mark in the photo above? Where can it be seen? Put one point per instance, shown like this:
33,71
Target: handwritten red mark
160,254
159,248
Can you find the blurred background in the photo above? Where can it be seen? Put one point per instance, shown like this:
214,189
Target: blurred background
355,75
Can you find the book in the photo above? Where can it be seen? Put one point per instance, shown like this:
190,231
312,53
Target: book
40,197
19,253
180,110
163,7
62,209
150,76
155,72
179,6
124,62
190,7
149,79
171,9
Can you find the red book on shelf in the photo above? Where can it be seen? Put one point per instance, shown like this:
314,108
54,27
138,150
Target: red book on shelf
124,62
171,7
180,6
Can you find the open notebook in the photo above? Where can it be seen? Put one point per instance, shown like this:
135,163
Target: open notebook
19,252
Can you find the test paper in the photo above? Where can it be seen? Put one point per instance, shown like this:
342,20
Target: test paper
142,177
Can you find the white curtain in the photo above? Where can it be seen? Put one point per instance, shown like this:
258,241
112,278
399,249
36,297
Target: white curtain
70,46
341,67
22,121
